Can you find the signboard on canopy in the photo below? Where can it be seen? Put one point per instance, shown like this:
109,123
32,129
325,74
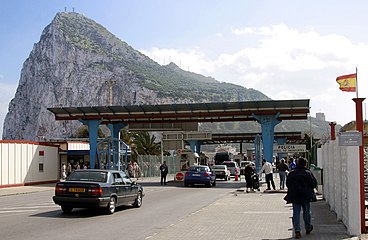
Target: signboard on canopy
289,148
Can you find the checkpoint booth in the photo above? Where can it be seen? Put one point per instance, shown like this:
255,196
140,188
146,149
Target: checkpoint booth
184,159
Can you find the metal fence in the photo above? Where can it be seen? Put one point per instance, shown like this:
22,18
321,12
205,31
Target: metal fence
150,165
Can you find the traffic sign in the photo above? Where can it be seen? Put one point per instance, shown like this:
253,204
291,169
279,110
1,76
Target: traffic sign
179,176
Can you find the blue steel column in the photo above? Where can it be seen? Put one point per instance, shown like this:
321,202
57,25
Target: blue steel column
268,123
280,141
195,145
93,134
115,129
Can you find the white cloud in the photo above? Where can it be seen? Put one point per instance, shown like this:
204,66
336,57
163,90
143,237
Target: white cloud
284,64
243,31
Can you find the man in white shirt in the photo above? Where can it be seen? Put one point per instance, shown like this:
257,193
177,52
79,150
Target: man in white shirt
267,168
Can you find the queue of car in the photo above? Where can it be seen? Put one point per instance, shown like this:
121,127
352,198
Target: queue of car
108,189
205,175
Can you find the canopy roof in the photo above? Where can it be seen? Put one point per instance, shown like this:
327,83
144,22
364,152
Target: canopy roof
195,112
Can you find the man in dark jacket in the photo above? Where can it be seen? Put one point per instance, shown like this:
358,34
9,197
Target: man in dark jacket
301,183
164,170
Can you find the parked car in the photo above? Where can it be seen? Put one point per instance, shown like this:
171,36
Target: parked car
233,167
243,164
221,171
222,156
199,175
90,188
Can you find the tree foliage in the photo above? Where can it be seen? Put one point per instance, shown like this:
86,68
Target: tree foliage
140,143
83,132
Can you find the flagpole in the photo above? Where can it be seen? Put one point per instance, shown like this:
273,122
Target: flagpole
356,74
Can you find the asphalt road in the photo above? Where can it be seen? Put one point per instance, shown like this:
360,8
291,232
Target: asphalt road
35,216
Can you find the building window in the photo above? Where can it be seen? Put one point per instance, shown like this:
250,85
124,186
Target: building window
40,167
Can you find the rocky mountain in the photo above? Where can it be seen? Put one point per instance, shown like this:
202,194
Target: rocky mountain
77,62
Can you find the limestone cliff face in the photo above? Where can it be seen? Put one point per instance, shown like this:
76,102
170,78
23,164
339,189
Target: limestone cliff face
77,62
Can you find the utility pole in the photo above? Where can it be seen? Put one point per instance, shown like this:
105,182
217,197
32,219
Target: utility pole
110,83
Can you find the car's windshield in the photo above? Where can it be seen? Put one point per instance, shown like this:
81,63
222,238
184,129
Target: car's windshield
243,164
218,167
230,164
197,169
88,176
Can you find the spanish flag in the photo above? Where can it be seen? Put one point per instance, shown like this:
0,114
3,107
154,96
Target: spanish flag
347,82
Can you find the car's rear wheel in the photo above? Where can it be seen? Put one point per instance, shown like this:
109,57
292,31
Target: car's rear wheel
111,206
214,183
66,209
138,201
186,184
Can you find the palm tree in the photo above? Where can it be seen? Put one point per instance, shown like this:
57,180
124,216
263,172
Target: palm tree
146,144
128,138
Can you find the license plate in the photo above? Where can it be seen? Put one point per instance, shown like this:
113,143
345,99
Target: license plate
77,189
196,175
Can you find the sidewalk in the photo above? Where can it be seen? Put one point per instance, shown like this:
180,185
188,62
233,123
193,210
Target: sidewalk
238,215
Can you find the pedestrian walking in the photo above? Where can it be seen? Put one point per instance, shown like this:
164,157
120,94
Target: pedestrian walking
69,169
301,183
63,171
267,168
136,170
164,170
292,164
130,169
283,169
248,173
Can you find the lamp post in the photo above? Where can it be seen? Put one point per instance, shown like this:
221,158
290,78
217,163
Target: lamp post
333,135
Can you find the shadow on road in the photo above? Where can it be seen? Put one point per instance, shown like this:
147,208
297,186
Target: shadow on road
219,184
80,213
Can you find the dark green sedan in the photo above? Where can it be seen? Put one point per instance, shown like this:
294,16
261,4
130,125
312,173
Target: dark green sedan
96,188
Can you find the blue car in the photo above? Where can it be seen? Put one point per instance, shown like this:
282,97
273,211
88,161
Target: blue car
199,175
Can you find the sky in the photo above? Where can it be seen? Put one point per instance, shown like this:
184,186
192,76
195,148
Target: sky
286,49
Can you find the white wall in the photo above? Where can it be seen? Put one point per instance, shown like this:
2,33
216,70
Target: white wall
19,163
341,185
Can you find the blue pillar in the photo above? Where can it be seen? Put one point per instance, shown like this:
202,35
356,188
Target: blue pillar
268,123
280,141
93,134
115,129
195,145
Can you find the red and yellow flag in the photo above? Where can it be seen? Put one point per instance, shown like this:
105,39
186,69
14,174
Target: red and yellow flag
347,82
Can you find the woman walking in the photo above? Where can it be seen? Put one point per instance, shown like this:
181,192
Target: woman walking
283,169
